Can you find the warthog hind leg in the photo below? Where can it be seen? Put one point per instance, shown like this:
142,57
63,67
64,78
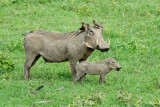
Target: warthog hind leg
30,61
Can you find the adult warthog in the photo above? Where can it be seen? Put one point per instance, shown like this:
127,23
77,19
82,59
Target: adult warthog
60,47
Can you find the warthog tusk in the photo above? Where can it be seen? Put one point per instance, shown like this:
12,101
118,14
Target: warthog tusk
97,41
87,45
109,42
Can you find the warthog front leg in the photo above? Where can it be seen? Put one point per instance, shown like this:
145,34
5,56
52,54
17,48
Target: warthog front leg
104,79
81,79
100,79
73,68
80,75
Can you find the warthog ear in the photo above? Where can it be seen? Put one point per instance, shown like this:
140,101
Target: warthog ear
97,25
84,27
101,24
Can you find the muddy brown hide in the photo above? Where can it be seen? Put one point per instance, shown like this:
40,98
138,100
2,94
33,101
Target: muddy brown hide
101,68
60,47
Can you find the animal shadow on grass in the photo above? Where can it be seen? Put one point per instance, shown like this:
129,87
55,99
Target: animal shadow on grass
45,75
90,79
64,75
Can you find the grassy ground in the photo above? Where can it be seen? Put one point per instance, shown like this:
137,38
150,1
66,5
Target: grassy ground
133,26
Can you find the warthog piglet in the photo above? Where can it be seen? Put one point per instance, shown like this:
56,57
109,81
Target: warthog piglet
101,68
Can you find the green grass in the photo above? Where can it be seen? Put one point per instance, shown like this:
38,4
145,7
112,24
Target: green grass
133,27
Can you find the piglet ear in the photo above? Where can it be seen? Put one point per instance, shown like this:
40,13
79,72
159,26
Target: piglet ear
108,60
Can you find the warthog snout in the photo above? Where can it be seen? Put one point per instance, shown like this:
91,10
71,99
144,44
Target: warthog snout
103,46
103,50
118,68
113,64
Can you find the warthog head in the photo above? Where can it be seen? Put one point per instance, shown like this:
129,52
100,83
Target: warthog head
94,37
113,64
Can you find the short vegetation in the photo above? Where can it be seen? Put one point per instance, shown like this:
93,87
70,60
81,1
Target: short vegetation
133,28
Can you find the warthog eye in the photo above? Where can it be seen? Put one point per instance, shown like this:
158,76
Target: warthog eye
91,32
